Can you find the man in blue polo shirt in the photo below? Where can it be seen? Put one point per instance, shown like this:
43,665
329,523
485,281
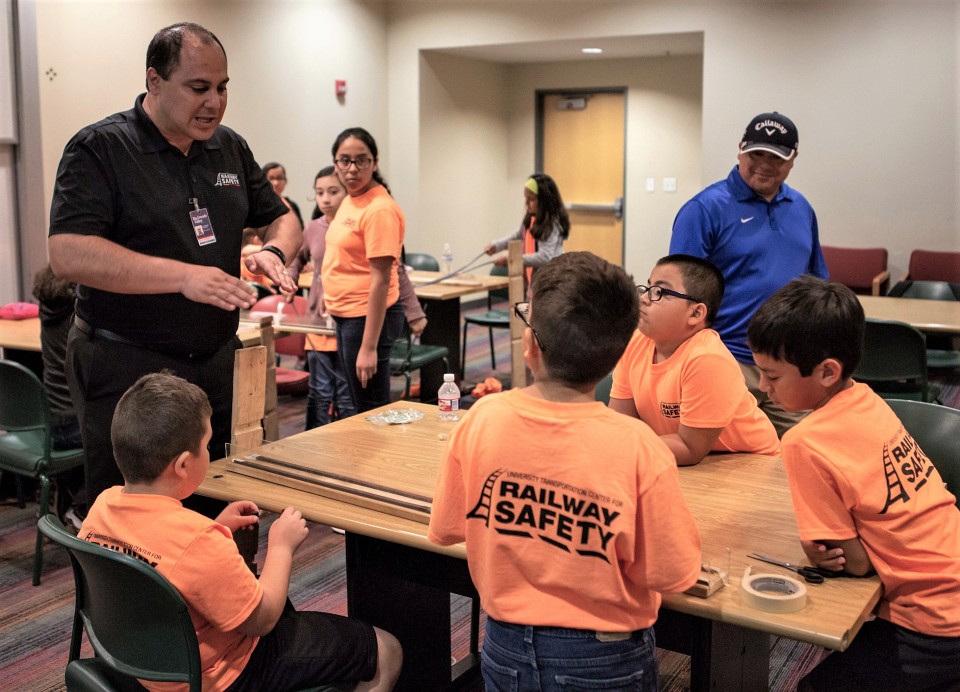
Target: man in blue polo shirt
759,232
147,217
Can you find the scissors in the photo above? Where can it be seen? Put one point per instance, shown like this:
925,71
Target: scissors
811,575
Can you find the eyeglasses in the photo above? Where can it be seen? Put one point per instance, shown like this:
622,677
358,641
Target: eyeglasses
521,310
657,292
361,162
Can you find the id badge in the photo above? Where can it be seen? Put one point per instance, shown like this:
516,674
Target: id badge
200,220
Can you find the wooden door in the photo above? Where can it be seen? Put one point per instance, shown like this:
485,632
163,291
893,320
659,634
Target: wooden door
583,151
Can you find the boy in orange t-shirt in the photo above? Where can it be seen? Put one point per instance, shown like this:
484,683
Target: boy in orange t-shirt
568,547
866,496
250,636
678,377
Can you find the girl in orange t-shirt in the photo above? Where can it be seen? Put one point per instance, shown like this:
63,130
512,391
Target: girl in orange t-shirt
359,275
544,227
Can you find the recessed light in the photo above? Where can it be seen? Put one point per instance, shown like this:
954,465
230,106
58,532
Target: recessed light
592,51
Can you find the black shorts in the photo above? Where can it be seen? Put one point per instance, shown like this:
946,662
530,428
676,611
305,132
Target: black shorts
885,656
308,648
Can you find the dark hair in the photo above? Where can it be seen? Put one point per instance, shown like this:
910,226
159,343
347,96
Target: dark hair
324,172
701,279
163,53
267,167
585,311
550,209
48,288
158,418
368,140
808,321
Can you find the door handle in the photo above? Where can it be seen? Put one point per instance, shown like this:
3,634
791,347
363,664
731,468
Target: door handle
616,208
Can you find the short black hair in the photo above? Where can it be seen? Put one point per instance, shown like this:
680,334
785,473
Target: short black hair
808,321
157,419
163,53
585,311
701,279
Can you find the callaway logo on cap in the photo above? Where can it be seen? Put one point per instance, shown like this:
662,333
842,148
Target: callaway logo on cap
771,132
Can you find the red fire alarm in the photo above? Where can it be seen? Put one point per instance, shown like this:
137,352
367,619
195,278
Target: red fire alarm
341,87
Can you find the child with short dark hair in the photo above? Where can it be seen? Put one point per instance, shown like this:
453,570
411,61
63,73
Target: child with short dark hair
679,378
865,495
250,636
572,513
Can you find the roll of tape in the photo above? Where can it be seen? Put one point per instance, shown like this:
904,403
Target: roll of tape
773,593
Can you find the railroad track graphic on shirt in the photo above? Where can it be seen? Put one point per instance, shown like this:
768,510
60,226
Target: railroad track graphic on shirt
896,492
482,509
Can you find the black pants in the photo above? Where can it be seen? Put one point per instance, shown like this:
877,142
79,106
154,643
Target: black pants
100,370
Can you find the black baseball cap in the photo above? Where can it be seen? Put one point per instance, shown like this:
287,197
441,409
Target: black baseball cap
771,132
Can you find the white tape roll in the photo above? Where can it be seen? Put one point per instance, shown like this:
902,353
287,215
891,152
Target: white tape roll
773,593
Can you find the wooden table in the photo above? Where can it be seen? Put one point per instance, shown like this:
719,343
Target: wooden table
20,335
400,581
926,315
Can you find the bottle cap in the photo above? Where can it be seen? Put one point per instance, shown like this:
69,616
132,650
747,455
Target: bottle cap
448,377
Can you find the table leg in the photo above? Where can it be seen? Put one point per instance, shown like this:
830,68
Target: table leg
406,592
722,656
443,329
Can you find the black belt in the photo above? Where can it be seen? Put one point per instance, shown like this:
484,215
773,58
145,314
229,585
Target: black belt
98,333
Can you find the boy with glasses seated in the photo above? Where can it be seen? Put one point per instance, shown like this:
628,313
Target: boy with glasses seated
572,514
677,376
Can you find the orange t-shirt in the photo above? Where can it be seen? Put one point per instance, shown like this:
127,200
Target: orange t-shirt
855,472
699,386
369,225
198,556
557,535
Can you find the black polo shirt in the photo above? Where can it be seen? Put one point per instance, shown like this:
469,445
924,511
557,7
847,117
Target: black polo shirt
121,180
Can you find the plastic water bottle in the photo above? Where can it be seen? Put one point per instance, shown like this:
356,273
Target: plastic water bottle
449,398
446,260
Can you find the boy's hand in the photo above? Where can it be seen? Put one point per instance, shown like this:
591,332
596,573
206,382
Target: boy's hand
288,531
822,556
239,515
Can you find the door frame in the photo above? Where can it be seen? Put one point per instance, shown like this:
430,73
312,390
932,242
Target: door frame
540,96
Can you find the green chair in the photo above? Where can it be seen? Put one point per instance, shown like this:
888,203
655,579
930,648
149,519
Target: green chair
894,361
940,352
406,356
25,445
491,319
604,386
421,261
136,621
936,429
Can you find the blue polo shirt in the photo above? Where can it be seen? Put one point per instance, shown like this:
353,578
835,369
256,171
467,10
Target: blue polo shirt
759,247
121,180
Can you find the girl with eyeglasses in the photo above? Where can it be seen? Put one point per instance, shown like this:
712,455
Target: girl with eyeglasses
544,227
359,274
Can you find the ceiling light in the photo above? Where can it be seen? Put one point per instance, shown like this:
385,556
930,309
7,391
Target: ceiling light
592,51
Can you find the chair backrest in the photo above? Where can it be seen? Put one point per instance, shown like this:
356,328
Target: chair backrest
894,358
602,392
294,344
23,404
855,267
498,293
422,261
933,265
936,429
136,621
926,290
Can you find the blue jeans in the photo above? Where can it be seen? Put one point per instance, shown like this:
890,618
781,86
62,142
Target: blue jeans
328,386
349,340
519,658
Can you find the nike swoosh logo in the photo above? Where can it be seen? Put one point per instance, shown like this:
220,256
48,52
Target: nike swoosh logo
749,218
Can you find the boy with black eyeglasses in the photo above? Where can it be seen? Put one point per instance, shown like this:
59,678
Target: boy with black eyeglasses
677,376
572,514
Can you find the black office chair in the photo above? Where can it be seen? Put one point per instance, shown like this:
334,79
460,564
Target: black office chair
940,352
936,429
406,356
894,361
421,261
491,319
25,445
136,621
602,392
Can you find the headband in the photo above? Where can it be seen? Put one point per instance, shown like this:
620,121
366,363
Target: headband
531,185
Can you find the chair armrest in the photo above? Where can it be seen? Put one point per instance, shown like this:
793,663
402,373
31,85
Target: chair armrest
878,281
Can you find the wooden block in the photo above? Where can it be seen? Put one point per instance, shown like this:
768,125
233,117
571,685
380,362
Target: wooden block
707,584
518,368
249,385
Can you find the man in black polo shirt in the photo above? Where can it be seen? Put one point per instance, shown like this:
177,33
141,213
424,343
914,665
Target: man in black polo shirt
147,216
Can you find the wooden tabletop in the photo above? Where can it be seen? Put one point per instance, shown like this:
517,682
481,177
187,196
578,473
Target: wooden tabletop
741,502
303,324
454,287
22,335
926,315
